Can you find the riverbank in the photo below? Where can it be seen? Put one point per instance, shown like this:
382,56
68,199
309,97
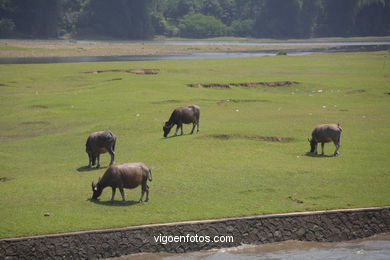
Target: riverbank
85,48
321,226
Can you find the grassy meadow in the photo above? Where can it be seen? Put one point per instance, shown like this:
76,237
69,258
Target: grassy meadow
228,169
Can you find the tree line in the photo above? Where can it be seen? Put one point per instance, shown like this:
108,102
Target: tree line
143,19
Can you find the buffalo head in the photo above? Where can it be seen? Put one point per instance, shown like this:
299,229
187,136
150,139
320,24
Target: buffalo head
96,191
313,144
167,128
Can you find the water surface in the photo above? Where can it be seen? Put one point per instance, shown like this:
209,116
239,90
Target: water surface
373,248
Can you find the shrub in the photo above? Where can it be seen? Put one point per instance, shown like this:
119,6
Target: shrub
6,27
201,26
242,28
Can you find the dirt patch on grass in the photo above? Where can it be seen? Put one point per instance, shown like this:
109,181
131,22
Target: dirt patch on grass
212,85
241,101
357,91
4,179
114,79
169,101
265,84
245,84
295,200
278,139
135,71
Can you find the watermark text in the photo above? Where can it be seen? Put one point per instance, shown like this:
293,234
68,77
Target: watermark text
165,239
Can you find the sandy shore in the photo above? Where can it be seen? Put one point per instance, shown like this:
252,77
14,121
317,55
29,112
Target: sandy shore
20,48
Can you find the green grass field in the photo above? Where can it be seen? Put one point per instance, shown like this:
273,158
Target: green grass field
47,112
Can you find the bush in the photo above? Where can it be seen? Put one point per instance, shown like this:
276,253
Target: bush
242,28
280,53
201,26
6,27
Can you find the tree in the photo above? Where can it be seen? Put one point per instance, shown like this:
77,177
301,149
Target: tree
242,28
201,26
278,19
372,17
117,18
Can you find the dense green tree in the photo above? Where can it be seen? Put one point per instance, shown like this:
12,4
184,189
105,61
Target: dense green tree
278,19
142,19
199,25
117,18
372,17
242,28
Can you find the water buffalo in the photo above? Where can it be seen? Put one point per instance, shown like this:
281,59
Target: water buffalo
98,143
183,115
125,175
325,134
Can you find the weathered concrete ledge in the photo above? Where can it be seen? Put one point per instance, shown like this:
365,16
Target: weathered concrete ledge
332,225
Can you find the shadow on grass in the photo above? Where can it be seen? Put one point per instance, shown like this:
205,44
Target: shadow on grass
319,155
173,136
115,203
88,169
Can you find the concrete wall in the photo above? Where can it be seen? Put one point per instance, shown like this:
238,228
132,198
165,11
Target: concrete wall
335,225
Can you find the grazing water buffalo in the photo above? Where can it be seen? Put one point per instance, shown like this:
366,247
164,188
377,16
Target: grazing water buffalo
183,115
125,175
100,142
325,134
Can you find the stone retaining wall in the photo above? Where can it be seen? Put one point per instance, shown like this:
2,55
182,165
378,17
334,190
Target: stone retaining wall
334,225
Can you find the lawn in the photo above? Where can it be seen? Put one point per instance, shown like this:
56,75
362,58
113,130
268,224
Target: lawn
249,158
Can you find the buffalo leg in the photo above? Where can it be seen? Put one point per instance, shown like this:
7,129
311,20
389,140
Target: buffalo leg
315,148
322,148
145,188
147,193
113,193
98,161
336,152
181,128
112,153
90,160
122,193
197,127
193,127
177,129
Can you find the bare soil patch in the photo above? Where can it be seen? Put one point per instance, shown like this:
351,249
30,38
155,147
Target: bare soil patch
278,139
4,179
265,84
295,200
245,84
135,71
169,101
212,85
357,91
241,101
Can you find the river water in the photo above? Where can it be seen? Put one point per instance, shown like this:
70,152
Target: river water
326,47
373,248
